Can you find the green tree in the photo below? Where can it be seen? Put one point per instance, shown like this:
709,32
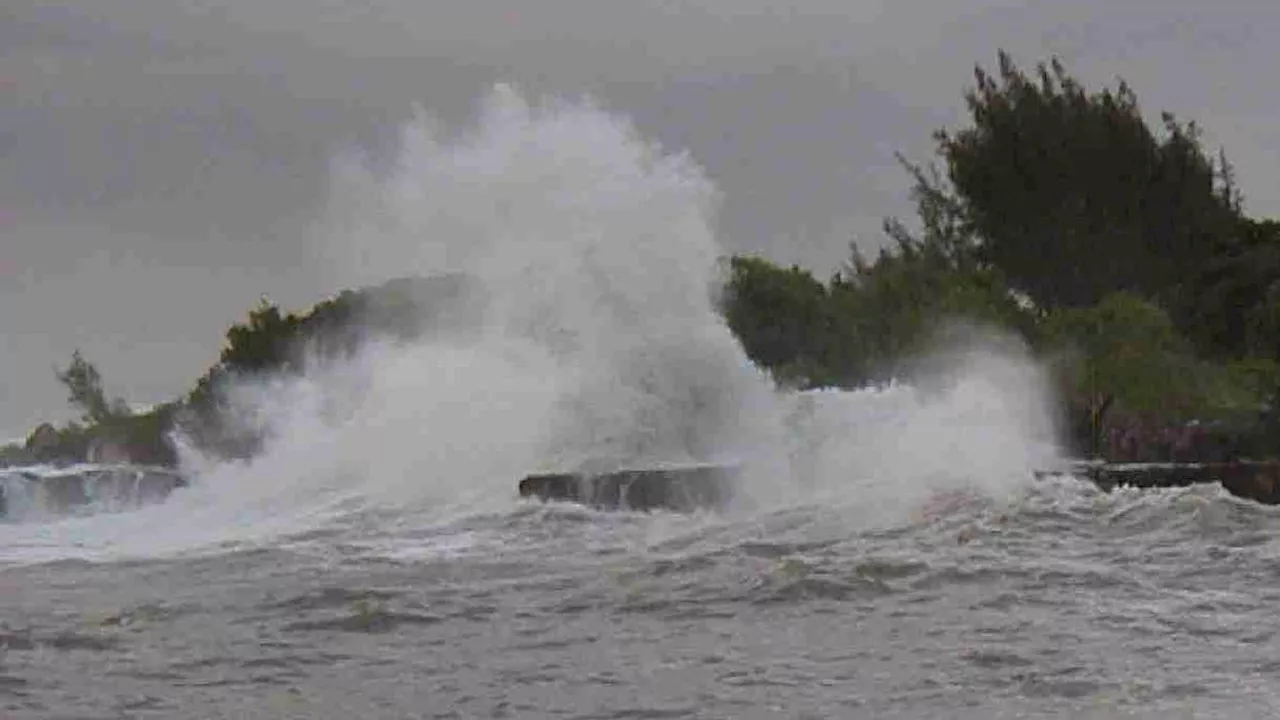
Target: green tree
1125,355
272,342
265,342
84,390
1232,303
781,317
1072,197
887,306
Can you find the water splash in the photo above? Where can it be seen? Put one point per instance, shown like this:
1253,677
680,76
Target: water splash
975,415
42,492
599,264
599,345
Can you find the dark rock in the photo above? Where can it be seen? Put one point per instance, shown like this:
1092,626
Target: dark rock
682,489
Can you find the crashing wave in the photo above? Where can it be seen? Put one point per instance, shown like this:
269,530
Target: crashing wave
41,492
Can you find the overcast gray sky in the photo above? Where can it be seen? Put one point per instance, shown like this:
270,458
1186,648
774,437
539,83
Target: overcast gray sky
160,159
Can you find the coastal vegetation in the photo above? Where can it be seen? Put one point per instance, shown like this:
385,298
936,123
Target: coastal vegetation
1120,254
1117,249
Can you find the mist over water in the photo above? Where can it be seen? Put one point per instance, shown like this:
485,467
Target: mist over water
599,346
975,417
888,552
599,265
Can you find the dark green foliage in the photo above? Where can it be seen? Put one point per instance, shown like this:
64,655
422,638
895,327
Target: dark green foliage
781,316
899,300
1124,355
889,307
1073,197
146,436
1119,252
84,390
263,343
143,435
268,343
1128,241
1230,303
876,313
869,319
274,343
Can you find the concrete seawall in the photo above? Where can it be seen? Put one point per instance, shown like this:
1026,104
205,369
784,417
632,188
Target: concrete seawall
39,492
1257,480
699,487
682,489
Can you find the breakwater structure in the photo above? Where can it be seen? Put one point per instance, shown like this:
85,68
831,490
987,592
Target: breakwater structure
34,492
710,486
680,488
1257,480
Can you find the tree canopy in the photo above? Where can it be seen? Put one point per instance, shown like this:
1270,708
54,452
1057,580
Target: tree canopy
85,391
1052,177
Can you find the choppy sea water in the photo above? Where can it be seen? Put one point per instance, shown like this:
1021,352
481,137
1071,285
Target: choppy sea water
1058,600
897,558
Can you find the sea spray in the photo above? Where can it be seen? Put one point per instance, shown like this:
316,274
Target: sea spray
598,344
598,259
974,413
